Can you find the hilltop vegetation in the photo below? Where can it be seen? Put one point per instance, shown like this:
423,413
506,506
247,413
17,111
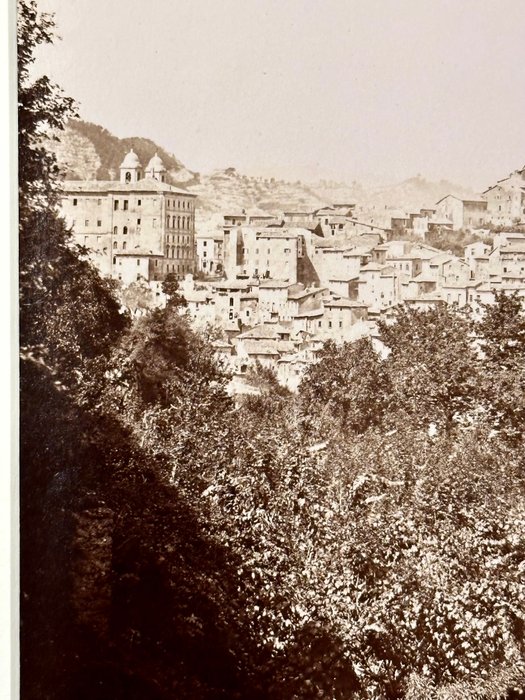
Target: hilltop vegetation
88,151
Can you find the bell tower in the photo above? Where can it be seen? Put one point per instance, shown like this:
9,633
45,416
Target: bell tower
130,168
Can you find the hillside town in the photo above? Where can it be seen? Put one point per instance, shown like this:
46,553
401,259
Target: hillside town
278,285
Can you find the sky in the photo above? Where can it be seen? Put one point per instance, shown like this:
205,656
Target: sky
373,90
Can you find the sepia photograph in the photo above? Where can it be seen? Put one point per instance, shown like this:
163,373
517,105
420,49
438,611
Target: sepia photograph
270,353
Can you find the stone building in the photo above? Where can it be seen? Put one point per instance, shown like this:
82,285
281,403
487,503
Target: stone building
462,213
141,214
506,200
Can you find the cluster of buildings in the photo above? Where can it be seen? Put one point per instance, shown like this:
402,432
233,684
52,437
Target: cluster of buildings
280,286
288,288
501,205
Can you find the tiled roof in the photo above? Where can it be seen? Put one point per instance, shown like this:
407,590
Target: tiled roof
344,303
143,186
274,284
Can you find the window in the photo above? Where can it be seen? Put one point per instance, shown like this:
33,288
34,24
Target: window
99,202
114,260
138,222
319,323
115,205
125,205
329,324
125,230
156,263
139,202
86,239
115,230
340,324
204,244
287,250
204,254
231,301
99,222
115,245
128,179
75,202
138,276
138,262
124,245
154,223
86,222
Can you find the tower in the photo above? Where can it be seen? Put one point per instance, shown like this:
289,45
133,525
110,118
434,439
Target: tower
156,169
130,168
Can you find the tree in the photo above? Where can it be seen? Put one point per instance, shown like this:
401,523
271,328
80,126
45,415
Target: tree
137,295
55,281
347,389
432,365
170,287
502,329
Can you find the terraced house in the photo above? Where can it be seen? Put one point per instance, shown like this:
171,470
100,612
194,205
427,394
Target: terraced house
137,227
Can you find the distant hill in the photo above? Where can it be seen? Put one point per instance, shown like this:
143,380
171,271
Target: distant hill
88,151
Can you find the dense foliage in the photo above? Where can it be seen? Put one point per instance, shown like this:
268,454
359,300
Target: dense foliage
364,538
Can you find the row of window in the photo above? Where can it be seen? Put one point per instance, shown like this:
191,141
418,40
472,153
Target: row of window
173,203
179,269
86,222
180,221
246,251
180,204
125,204
320,323
75,201
172,252
175,238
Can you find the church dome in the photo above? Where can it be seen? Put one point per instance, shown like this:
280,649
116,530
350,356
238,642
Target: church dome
131,160
156,165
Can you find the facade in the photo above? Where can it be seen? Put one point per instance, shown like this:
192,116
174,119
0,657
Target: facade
208,247
462,213
506,200
139,215
270,252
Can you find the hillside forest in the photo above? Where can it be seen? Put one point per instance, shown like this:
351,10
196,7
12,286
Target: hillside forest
361,539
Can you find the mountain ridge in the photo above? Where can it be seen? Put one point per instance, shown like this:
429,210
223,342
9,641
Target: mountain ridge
89,151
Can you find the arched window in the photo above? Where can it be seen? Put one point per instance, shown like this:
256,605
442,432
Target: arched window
128,177
168,221
178,221
115,230
114,260
115,245
124,246
125,230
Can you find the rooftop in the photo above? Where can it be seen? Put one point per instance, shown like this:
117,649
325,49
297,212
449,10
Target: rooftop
114,186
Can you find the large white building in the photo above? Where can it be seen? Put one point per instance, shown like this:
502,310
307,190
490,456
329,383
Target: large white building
139,219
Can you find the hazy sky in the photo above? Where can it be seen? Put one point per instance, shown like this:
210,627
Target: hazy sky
378,89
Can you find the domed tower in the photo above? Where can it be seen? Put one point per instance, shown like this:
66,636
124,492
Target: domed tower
156,169
130,168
